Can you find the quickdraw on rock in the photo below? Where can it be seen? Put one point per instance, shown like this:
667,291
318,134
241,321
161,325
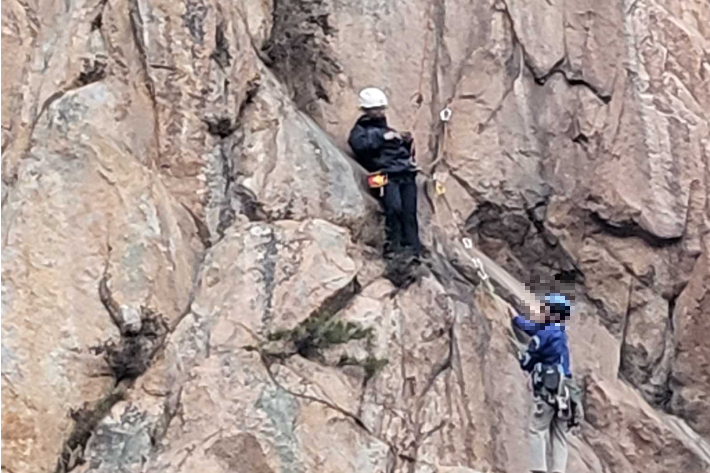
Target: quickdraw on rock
445,116
438,183
518,347
480,270
478,264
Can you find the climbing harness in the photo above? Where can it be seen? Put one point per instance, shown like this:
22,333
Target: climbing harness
548,383
377,180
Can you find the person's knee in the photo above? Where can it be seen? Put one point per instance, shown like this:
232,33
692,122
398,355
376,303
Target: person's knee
536,430
398,212
393,209
538,426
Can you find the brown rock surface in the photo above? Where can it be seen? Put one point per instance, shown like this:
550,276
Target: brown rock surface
690,371
82,207
192,156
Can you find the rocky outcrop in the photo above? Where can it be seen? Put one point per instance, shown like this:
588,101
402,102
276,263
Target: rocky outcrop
689,382
577,150
191,268
82,208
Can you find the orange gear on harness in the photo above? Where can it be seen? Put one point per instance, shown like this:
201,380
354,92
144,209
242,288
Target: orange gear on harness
377,180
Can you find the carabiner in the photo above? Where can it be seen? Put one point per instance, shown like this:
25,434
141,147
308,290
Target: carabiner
445,114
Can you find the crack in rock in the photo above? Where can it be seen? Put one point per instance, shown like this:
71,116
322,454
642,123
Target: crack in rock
300,52
86,419
559,67
628,228
127,360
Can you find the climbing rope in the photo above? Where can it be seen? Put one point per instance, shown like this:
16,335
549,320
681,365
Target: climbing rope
517,346
431,175
480,269
445,116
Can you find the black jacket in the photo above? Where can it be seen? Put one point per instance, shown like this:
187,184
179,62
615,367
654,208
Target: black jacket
375,153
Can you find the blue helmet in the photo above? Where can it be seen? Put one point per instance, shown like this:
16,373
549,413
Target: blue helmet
558,304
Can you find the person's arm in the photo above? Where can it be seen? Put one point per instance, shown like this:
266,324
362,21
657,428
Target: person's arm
392,135
529,308
408,141
366,140
527,326
530,358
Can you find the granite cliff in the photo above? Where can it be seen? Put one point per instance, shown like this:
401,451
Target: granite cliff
191,275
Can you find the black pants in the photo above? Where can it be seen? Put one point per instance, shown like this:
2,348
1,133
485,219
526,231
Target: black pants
400,202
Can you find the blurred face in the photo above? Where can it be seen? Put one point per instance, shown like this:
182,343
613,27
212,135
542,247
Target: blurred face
549,316
378,112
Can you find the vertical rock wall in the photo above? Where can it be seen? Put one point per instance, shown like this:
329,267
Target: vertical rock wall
185,163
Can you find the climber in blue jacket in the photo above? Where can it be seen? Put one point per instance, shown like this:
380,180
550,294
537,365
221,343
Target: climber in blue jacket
549,340
556,398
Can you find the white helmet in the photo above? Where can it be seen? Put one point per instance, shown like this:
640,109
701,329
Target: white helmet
372,97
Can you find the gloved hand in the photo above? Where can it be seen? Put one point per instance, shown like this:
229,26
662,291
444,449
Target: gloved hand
391,135
573,423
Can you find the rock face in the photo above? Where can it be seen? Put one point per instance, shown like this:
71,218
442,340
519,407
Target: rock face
177,188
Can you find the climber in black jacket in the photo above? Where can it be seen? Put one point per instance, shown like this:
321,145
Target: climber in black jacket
379,148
